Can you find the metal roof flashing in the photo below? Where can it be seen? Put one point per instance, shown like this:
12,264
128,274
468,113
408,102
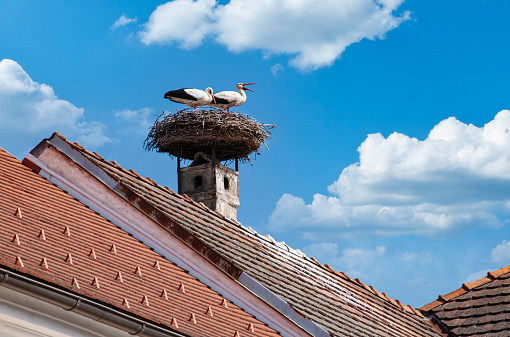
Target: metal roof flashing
281,305
62,145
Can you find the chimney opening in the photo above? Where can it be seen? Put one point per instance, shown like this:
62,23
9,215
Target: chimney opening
226,183
197,182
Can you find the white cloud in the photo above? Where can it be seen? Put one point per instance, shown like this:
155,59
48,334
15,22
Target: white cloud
90,134
186,22
31,109
501,253
276,69
314,33
347,258
141,117
408,256
122,21
457,178
324,251
476,276
352,257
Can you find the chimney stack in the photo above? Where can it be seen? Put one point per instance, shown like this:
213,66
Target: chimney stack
208,137
213,184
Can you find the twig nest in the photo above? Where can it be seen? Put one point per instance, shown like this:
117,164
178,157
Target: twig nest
230,135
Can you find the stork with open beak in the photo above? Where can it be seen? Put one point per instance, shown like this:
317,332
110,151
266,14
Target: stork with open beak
228,99
191,97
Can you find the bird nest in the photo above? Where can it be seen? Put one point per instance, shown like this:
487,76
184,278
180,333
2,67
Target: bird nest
227,135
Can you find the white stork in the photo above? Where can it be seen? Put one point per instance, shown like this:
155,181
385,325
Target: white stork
191,97
228,99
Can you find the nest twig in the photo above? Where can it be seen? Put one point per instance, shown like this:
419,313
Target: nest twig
230,135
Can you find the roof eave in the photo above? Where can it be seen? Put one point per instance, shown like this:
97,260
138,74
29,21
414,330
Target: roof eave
81,305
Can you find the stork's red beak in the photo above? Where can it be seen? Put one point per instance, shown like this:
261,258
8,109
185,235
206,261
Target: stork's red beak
248,88
213,99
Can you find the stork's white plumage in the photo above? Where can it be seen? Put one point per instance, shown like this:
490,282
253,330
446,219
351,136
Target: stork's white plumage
191,97
228,99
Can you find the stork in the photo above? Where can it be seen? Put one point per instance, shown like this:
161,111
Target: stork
191,97
228,99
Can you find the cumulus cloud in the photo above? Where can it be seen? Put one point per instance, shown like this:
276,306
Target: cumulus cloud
457,178
186,22
314,33
122,21
32,109
501,253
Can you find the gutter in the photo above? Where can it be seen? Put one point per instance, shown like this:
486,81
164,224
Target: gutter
83,306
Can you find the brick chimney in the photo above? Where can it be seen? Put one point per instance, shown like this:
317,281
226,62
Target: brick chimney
211,183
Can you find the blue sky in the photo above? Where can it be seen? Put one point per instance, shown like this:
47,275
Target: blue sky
391,158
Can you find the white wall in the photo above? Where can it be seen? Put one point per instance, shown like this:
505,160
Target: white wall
25,316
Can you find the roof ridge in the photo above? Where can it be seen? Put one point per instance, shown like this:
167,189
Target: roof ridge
466,287
406,308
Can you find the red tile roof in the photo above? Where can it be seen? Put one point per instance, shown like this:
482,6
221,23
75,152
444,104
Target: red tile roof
478,308
341,305
47,234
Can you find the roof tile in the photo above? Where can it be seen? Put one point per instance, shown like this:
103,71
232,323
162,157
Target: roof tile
343,306
156,265
16,240
69,259
37,242
44,263
18,213
19,262
119,277
193,319
477,308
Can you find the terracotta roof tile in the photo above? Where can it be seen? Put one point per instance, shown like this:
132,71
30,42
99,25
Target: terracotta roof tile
343,306
478,308
193,319
54,225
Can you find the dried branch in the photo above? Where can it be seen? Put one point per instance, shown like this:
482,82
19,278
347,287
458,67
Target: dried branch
232,135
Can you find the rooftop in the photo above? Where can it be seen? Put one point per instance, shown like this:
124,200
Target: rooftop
478,308
49,236
341,305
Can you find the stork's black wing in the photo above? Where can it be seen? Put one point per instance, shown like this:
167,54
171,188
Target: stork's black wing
180,93
220,100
